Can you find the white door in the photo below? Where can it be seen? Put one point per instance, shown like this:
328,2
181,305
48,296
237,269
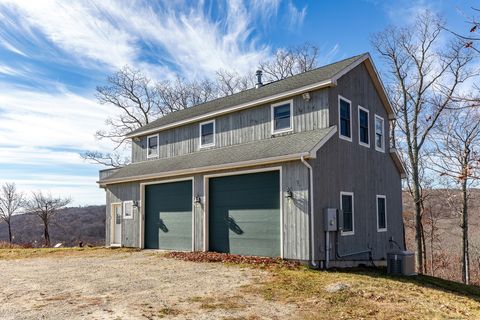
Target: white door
117,224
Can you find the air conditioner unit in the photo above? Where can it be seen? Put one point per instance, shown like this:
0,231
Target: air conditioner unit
401,263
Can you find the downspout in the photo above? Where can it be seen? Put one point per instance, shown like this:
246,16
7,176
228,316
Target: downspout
312,216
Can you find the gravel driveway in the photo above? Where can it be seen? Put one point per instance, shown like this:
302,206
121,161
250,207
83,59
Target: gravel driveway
131,285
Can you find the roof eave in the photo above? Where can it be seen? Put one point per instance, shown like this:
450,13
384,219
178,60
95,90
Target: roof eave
189,171
398,162
254,103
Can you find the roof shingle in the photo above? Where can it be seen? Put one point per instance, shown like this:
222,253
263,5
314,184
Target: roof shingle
294,82
290,144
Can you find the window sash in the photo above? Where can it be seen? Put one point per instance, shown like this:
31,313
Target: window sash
128,209
382,213
282,118
345,118
347,209
363,123
152,146
379,133
207,132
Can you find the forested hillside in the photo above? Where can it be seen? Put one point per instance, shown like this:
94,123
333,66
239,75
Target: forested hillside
443,232
71,225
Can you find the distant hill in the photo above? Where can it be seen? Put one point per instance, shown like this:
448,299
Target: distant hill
71,225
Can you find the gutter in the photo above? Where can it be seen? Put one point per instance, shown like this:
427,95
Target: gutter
312,216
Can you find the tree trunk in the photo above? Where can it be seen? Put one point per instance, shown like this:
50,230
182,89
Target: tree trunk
9,232
46,234
465,246
418,220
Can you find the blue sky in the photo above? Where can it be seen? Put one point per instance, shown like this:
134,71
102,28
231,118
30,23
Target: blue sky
53,55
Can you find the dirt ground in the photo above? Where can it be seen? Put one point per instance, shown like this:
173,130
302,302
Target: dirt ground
131,285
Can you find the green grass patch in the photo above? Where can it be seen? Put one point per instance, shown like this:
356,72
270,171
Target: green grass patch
363,293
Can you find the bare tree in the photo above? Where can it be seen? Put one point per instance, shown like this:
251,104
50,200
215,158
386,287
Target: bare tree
46,208
425,76
141,100
289,62
458,158
11,201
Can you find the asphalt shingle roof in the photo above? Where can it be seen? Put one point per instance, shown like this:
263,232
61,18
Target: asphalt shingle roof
290,144
294,82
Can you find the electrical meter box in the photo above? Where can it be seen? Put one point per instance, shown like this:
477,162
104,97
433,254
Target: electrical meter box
330,219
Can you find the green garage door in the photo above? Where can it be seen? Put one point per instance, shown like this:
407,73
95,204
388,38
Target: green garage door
168,216
244,214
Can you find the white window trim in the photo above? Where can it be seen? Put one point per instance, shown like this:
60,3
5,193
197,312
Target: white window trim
148,146
367,145
339,119
124,205
200,134
345,193
272,120
380,196
382,149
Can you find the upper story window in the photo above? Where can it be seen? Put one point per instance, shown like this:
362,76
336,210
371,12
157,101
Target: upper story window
344,118
381,213
152,146
207,134
128,210
363,127
282,116
379,134
347,207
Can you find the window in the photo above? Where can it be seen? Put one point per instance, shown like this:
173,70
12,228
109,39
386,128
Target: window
346,205
282,117
207,134
363,130
344,116
128,210
379,134
152,146
381,213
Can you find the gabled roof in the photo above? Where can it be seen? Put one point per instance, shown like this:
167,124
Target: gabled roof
271,150
314,79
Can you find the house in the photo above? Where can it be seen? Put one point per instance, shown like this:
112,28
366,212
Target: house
301,168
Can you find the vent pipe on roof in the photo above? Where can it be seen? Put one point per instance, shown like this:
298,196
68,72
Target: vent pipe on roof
259,79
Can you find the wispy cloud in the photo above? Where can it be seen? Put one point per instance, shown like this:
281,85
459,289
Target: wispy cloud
53,53
295,15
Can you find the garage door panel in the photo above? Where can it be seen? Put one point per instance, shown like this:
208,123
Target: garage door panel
244,214
168,216
174,230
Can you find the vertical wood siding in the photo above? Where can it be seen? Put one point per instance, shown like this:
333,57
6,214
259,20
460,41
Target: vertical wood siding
348,166
236,128
130,227
295,211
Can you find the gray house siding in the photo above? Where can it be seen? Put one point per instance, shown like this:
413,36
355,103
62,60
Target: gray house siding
130,227
340,166
347,166
240,127
295,231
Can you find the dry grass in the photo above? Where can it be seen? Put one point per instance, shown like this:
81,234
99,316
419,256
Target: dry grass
371,294
21,253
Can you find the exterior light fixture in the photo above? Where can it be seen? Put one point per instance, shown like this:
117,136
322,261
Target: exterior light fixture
136,204
289,194
306,96
197,199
